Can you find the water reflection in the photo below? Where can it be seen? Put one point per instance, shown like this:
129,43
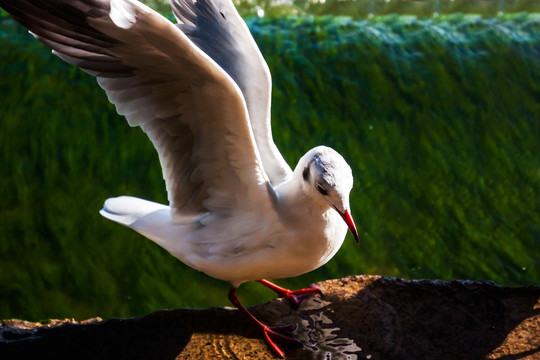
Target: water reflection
319,335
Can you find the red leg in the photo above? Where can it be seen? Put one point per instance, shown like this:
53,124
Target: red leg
297,296
270,334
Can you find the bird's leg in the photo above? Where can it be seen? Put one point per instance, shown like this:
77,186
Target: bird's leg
297,296
270,334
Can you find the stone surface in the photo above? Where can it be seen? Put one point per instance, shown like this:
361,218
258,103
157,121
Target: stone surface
360,317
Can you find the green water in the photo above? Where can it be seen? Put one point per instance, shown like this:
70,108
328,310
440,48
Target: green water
438,118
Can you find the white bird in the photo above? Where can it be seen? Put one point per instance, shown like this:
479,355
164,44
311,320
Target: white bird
201,92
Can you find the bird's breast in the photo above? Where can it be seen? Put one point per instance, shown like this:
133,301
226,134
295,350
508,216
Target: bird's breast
316,241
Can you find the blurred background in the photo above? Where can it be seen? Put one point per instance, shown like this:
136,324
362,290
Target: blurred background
435,104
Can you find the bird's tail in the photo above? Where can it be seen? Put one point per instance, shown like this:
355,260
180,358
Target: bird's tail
127,210
153,221
149,219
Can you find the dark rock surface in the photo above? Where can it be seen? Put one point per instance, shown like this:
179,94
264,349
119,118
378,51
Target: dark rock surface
360,317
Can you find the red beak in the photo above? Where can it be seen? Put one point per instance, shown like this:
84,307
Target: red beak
350,223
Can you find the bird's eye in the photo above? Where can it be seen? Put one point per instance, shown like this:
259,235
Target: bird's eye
322,190
306,174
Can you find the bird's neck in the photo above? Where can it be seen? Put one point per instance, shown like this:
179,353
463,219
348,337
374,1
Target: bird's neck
294,203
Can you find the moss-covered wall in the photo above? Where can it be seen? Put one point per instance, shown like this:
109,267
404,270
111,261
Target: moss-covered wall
438,118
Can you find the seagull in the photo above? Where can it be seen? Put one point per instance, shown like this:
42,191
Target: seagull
200,89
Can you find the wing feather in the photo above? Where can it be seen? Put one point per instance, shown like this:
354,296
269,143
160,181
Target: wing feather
192,111
216,27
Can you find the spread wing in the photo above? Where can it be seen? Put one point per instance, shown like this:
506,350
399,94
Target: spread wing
217,28
192,111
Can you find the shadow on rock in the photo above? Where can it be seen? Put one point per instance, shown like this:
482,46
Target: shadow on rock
382,318
361,317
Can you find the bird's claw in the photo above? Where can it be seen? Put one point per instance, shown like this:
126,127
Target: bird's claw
289,328
272,334
297,296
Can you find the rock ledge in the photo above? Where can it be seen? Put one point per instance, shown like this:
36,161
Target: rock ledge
359,317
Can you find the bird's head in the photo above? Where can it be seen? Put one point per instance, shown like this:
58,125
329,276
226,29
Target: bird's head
327,178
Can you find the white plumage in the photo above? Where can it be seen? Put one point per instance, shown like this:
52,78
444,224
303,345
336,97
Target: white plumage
201,92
